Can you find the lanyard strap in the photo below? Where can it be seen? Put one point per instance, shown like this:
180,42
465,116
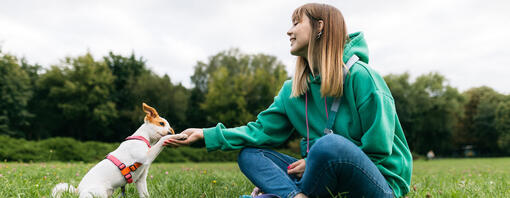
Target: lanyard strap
336,103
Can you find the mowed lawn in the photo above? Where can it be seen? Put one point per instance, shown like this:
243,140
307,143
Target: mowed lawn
489,177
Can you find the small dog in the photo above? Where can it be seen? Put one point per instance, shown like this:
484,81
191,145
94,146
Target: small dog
130,162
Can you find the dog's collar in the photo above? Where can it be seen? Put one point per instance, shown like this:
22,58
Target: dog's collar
139,138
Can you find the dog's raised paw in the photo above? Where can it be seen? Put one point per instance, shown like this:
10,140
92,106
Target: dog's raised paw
182,137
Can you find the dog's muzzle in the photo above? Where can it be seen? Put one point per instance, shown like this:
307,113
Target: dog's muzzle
172,131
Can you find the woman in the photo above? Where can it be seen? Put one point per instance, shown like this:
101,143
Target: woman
367,153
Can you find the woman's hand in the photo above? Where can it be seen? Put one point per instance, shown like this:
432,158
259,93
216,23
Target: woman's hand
193,136
297,168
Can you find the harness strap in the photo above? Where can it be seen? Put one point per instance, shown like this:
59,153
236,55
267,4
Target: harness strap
334,109
139,138
126,170
336,103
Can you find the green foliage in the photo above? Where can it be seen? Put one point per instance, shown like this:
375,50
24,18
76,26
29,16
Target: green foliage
171,101
236,86
479,127
428,110
76,100
53,149
502,122
68,149
100,100
15,93
127,71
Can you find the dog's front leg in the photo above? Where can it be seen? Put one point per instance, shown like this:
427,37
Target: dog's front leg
158,147
141,183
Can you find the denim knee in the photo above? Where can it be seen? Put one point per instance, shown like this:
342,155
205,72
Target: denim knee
331,146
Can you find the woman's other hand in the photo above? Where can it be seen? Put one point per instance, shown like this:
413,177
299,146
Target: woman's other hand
297,168
193,136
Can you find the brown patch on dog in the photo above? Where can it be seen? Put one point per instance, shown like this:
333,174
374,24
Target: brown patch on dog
153,117
151,112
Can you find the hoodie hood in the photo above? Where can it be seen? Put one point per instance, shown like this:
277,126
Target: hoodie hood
356,46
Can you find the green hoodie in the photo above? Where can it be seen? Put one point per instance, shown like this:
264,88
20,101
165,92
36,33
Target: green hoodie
366,116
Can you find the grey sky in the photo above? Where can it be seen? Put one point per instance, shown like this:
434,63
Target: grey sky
466,41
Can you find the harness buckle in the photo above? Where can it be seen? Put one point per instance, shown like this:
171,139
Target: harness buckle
328,131
132,167
128,178
121,166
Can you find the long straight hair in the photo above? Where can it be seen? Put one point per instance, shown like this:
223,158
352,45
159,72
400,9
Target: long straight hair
325,52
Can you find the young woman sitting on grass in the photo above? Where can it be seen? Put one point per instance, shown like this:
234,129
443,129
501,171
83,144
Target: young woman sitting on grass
361,153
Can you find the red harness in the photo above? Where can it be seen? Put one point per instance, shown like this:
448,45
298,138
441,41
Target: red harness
126,170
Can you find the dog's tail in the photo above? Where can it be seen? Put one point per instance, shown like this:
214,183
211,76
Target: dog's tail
61,188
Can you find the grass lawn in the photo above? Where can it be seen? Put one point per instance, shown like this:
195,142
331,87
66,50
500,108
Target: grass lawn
488,177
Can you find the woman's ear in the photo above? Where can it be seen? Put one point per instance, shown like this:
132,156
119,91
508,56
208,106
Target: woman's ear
321,25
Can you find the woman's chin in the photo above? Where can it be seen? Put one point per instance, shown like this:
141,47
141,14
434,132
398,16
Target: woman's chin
298,52
294,52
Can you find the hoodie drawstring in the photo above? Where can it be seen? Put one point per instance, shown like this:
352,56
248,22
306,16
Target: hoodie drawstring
306,115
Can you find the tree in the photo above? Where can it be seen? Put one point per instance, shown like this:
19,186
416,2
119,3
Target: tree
502,122
428,110
478,124
15,93
233,87
75,100
171,101
127,71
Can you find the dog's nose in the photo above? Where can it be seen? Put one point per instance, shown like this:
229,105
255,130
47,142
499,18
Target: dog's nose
172,131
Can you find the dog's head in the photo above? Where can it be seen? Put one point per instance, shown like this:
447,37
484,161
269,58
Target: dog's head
159,125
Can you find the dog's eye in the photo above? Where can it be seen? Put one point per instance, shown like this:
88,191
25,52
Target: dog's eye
162,123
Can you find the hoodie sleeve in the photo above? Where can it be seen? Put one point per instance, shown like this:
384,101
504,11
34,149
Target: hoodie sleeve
377,114
271,129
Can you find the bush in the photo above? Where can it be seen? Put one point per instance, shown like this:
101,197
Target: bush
68,149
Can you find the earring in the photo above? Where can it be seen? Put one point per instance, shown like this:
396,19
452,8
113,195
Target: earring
319,35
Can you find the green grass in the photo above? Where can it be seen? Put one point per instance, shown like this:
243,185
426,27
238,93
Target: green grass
437,178
488,177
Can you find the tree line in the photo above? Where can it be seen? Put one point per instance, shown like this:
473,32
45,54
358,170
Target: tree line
100,99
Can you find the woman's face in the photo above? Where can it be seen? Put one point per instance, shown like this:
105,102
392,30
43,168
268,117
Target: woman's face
299,35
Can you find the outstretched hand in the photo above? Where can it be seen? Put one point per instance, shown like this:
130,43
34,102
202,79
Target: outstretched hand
193,136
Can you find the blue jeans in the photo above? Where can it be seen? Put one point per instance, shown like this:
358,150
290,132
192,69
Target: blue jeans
334,166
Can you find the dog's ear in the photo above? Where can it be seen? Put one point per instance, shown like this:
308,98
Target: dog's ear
151,112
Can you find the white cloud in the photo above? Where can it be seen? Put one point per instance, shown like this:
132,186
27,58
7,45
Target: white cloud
464,40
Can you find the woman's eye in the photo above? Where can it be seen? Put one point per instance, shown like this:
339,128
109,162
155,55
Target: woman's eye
162,123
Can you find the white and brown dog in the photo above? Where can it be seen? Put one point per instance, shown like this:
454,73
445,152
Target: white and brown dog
129,163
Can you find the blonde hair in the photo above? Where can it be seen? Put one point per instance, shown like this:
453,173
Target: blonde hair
324,52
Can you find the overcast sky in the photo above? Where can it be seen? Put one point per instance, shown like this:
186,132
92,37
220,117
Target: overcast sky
466,41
